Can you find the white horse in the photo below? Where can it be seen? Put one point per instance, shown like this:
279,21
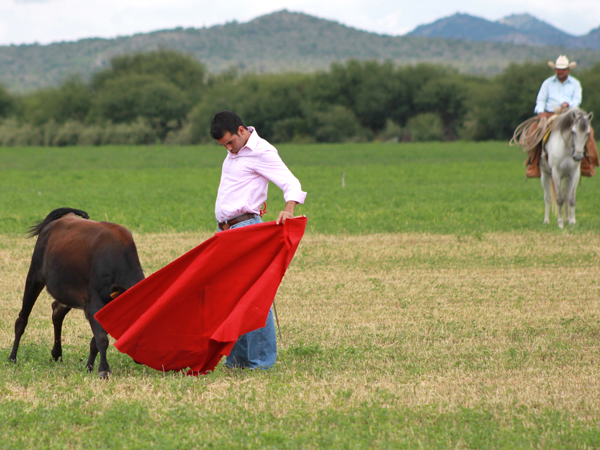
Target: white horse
565,150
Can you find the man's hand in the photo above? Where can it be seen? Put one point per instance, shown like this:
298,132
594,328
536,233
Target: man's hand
283,215
287,213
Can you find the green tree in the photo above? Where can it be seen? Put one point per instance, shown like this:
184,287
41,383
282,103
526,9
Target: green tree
518,89
273,103
425,127
481,121
496,107
446,99
590,84
183,71
412,79
69,101
338,124
371,90
7,102
126,98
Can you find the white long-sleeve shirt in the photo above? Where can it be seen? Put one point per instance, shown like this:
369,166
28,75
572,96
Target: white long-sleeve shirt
553,93
245,179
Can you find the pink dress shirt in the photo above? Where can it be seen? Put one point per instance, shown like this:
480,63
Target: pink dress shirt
245,179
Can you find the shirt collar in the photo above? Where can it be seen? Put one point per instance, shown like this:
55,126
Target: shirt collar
568,80
252,140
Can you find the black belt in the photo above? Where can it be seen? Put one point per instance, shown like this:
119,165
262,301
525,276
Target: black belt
234,220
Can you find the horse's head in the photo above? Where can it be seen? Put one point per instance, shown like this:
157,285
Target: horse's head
580,131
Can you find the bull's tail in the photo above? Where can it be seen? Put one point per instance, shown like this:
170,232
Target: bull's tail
37,228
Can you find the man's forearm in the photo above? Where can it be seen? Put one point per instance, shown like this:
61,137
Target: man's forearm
290,206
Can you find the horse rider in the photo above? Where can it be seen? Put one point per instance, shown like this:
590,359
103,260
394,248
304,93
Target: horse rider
558,93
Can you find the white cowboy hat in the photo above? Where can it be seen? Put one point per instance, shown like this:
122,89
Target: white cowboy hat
562,62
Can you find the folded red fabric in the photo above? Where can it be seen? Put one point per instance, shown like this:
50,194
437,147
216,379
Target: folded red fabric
191,312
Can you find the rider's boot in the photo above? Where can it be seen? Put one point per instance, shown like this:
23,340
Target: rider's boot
590,161
533,168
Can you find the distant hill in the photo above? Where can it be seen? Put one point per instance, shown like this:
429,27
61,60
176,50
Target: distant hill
465,27
522,29
590,40
280,42
536,31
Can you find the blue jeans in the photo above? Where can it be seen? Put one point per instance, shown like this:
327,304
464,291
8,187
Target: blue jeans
258,348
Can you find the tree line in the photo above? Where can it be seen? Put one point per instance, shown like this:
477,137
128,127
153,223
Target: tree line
168,97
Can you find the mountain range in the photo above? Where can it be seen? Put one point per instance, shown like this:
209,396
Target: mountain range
521,29
286,41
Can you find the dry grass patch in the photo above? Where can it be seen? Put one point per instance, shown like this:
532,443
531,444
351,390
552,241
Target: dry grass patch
405,320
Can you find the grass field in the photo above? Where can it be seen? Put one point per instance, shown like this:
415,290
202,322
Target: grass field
427,306
437,188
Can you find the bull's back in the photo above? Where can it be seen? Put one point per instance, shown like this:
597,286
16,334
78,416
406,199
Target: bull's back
80,253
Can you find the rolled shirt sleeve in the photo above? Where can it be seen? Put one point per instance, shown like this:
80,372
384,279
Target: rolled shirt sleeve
274,169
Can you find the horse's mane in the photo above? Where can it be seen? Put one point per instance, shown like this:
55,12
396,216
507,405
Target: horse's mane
564,122
37,228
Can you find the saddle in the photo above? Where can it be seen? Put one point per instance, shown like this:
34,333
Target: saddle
549,127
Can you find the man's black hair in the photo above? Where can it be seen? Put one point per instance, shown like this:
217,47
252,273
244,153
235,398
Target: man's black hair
225,121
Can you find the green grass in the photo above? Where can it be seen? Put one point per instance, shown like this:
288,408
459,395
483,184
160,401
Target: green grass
460,187
427,306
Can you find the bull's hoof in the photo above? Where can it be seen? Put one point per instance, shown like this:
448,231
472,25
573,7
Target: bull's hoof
103,375
12,360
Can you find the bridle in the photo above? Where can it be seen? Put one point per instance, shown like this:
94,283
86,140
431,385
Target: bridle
573,134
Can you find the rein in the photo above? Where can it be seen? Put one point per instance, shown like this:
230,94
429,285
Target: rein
577,119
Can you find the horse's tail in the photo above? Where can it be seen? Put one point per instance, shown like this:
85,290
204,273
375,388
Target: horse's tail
553,196
37,228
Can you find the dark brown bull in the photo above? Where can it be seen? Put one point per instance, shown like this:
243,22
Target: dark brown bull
83,264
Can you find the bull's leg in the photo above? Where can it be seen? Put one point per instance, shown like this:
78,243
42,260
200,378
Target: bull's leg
59,311
100,335
546,185
33,287
93,354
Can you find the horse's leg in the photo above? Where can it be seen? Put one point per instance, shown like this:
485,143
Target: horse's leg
93,354
572,189
59,311
545,178
100,335
560,199
567,200
33,287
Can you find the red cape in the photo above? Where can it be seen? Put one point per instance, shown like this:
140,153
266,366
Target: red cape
191,312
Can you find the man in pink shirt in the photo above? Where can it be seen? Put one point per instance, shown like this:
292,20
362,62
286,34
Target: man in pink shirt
250,164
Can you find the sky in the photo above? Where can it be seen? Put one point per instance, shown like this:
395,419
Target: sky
47,21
